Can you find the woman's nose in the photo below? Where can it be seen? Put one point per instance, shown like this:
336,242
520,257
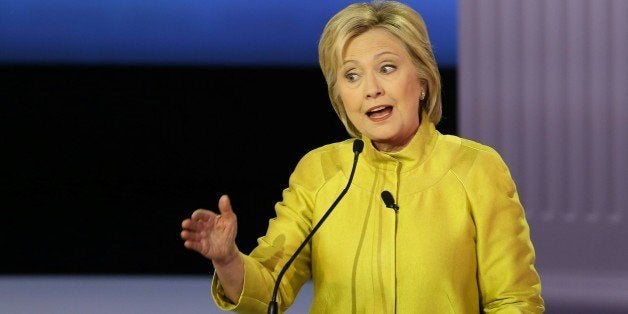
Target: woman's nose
372,87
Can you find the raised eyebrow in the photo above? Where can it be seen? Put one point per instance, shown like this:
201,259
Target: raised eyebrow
346,68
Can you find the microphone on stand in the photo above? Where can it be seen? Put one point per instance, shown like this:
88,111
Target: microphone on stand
358,145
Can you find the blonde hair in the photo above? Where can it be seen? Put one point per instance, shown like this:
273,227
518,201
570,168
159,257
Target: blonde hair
398,19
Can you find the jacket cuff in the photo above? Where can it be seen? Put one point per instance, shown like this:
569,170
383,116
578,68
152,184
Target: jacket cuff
255,295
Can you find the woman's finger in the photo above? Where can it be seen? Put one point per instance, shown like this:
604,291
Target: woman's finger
189,235
192,225
193,245
202,214
224,205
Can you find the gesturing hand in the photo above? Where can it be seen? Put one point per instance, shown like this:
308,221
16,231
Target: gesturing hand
212,235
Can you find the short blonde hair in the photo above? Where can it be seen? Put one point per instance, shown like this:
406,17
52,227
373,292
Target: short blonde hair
398,19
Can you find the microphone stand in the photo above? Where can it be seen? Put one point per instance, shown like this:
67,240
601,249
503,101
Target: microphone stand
358,145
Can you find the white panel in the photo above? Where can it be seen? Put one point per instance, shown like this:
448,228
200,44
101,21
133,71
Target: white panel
508,92
599,105
619,109
577,136
553,74
546,84
486,69
533,114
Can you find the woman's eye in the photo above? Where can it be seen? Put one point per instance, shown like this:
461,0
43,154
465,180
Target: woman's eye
388,68
351,77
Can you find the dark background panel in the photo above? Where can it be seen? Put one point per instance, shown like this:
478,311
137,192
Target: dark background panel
101,163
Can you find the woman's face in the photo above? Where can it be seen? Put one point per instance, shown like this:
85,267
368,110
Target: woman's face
380,89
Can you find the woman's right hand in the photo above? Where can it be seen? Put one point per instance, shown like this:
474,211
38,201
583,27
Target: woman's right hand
212,235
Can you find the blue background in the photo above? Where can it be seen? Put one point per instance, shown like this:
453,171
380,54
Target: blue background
191,32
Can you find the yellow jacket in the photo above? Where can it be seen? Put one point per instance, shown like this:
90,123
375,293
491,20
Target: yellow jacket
459,242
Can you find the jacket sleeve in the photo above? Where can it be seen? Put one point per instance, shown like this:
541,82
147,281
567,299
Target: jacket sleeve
507,278
285,232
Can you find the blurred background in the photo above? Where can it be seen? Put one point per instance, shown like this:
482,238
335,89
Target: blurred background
119,118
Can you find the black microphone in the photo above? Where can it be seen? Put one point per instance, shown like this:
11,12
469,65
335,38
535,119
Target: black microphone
358,145
389,201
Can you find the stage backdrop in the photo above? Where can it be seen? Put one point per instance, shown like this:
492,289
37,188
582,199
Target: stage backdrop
119,118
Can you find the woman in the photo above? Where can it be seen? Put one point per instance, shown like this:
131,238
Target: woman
456,239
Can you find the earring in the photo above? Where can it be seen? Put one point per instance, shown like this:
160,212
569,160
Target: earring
422,95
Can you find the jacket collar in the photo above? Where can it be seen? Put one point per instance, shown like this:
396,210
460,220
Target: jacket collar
411,156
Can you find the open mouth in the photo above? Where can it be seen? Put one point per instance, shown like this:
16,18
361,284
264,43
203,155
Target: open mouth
379,112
